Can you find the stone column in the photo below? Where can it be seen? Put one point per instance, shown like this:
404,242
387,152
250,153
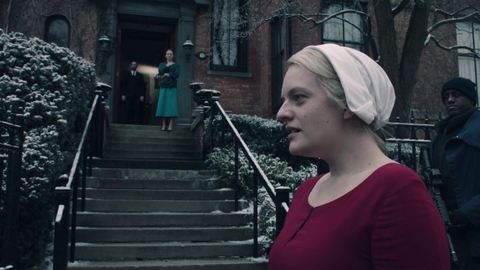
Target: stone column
186,28
108,76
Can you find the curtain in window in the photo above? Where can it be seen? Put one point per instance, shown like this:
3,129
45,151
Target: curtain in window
333,28
343,32
468,34
226,18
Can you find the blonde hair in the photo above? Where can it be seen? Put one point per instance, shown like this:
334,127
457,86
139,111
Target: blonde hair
313,60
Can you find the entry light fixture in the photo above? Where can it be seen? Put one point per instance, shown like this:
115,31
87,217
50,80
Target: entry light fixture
104,41
187,48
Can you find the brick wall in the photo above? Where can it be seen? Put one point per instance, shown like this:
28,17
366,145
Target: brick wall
244,95
241,95
29,17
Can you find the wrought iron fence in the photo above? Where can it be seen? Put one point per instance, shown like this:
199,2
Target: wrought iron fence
404,140
11,147
66,192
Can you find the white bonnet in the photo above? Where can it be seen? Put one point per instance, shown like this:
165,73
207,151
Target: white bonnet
368,90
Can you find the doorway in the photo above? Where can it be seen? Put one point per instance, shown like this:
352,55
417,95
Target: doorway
144,40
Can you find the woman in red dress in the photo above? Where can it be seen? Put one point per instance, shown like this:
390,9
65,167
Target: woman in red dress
368,212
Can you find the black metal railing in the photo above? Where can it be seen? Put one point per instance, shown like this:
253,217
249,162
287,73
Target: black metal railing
408,138
11,147
279,195
66,192
400,134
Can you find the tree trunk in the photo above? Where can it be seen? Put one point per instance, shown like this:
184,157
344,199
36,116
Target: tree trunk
411,56
388,49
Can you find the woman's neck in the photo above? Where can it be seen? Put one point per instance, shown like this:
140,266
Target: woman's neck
357,154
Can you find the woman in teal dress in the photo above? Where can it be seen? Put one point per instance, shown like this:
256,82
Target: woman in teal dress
168,73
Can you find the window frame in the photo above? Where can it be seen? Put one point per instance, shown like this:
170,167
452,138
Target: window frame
464,55
242,43
364,43
48,23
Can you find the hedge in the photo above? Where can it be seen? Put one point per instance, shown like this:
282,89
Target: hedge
57,87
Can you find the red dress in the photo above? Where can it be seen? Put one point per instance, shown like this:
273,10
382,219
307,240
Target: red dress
388,221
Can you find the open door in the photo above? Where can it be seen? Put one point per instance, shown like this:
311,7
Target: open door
144,40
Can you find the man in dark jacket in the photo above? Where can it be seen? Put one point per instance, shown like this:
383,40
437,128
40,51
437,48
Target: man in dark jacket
456,153
133,95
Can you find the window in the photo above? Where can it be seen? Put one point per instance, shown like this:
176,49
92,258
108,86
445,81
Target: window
468,34
229,49
344,30
57,30
278,52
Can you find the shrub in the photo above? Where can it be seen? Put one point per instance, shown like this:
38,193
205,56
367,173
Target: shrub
263,136
267,141
57,87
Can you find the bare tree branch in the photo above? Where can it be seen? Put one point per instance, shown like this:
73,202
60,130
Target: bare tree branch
451,48
451,21
257,22
459,11
400,7
81,9
402,68
308,17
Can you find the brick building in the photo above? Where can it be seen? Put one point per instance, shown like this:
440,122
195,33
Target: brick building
248,72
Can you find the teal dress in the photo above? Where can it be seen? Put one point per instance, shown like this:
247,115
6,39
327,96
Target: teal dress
167,98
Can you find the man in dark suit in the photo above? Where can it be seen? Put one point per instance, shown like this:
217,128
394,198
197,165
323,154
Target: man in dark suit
133,95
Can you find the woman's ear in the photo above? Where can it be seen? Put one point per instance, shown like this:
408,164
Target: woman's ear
347,114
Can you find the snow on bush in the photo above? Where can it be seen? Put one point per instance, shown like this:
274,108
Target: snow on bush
57,87
267,141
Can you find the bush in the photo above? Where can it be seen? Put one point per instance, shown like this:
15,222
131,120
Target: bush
263,136
57,87
222,159
267,141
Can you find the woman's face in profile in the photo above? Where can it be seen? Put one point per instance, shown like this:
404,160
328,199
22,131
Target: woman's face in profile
312,120
169,55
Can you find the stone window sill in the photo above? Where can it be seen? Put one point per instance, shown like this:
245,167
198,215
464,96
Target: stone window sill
229,73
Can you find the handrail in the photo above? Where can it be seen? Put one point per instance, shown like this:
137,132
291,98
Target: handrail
409,124
11,149
80,149
280,195
268,186
66,190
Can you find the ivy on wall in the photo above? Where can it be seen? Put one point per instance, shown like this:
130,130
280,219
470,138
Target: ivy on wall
104,49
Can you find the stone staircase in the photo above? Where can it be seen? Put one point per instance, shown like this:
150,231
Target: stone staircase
152,204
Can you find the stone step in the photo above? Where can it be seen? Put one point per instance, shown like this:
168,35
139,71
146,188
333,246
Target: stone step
154,133
127,163
153,154
161,251
163,194
159,146
171,234
151,140
146,127
162,219
221,264
154,174
120,183
182,206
